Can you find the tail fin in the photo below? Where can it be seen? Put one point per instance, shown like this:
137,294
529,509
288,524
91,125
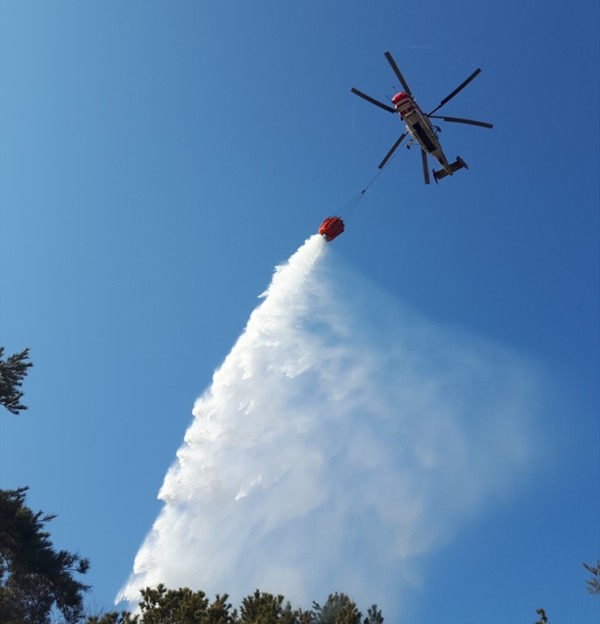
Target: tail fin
459,163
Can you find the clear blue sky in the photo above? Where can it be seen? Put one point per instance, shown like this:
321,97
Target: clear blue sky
157,159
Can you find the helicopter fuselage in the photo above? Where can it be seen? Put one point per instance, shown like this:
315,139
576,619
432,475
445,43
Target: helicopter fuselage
420,128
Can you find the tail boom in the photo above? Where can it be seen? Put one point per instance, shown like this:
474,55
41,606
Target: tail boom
459,163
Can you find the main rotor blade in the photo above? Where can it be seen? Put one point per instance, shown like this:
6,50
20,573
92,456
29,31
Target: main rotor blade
471,122
425,169
389,154
456,91
400,77
364,96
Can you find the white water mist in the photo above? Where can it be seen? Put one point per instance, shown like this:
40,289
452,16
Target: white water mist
342,437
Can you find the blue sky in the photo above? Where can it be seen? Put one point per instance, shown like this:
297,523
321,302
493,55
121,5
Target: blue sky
158,160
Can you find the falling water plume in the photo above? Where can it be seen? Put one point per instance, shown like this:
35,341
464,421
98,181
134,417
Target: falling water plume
342,438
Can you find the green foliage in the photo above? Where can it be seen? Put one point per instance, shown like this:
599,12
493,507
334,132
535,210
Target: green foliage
374,616
593,584
543,619
112,618
265,608
261,608
160,605
34,578
305,617
12,372
183,606
338,609
219,611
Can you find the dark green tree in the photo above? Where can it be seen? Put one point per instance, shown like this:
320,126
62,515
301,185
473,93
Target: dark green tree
219,611
296,616
261,608
593,584
374,616
304,617
112,617
12,372
34,577
265,608
543,619
160,605
338,609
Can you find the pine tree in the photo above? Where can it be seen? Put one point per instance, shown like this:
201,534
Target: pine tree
261,608
338,609
12,372
374,615
593,584
34,577
543,618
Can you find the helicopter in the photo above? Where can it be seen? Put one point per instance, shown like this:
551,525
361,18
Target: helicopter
419,126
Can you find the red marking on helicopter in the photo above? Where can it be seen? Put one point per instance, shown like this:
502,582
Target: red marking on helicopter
403,104
331,227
